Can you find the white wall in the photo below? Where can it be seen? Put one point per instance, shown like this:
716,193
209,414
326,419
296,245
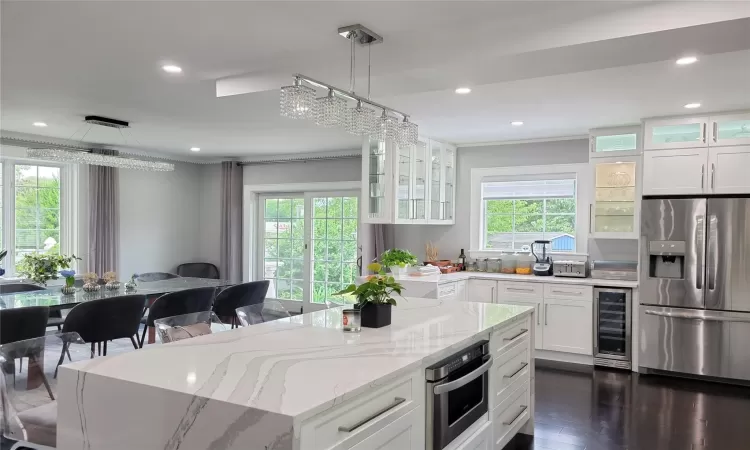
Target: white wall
159,219
450,239
349,169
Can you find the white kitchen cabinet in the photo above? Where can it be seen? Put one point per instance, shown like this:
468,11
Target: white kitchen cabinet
620,141
675,172
730,129
615,210
568,325
727,168
681,132
479,440
406,432
408,185
537,304
484,291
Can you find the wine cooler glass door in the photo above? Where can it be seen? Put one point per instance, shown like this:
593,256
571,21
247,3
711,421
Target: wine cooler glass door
613,316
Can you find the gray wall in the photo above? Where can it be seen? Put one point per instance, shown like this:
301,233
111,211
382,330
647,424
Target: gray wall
450,239
349,169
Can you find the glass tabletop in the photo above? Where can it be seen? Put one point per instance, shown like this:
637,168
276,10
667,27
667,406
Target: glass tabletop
55,299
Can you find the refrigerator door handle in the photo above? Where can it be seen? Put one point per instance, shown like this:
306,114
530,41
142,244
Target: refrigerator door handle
697,316
711,261
699,245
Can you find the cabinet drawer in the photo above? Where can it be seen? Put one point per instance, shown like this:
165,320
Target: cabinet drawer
518,288
567,291
506,338
511,370
357,419
510,416
447,290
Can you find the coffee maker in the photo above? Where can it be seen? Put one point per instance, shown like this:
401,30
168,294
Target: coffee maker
543,265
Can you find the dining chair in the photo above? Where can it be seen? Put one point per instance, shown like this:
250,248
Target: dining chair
28,412
20,324
55,315
185,326
262,312
198,270
102,320
233,297
178,303
156,276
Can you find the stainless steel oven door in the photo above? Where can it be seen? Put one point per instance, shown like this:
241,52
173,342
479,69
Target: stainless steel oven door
455,402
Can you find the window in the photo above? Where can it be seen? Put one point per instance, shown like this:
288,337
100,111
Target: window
511,207
516,213
31,210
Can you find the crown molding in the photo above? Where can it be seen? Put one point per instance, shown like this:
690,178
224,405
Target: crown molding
524,141
300,157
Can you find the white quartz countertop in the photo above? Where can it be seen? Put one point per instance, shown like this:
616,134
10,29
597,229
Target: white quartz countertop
458,276
303,364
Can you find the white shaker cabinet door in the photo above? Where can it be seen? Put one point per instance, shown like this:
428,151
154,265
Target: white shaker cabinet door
538,320
568,326
728,170
405,433
484,291
675,172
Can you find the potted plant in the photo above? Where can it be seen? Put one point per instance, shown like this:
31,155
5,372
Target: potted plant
374,297
398,260
40,268
70,279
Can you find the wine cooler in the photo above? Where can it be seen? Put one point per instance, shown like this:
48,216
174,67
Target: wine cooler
612,318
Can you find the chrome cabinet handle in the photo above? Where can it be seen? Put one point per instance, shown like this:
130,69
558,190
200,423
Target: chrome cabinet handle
545,313
537,314
396,401
519,289
715,131
464,380
523,409
591,216
712,175
511,339
703,170
565,292
523,366
704,132
492,294
689,316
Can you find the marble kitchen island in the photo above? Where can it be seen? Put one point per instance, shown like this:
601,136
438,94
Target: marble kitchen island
292,383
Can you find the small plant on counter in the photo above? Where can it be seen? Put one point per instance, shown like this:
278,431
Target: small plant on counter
374,297
398,260
70,277
41,268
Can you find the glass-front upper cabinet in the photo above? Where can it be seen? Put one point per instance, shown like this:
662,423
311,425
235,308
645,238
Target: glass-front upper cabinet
730,129
376,184
436,180
420,160
615,210
605,142
404,181
684,132
450,183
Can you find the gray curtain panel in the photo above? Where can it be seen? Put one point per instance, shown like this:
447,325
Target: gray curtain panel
104,217
231,222
383,239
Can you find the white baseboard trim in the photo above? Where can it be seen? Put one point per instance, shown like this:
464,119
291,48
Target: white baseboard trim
572,358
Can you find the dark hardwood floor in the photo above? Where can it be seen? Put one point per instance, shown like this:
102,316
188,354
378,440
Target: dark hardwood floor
617,410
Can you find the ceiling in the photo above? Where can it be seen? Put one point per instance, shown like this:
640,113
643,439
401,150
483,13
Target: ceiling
561,67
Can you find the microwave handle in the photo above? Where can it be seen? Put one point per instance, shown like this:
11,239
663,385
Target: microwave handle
464,380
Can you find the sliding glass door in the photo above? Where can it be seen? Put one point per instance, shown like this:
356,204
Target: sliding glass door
309,246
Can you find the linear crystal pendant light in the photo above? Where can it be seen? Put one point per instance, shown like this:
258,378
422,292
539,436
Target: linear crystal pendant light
96,159
361,120
297,101
386,127
408,133
331,111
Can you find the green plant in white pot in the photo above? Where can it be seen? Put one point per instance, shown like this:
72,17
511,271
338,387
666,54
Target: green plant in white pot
398,260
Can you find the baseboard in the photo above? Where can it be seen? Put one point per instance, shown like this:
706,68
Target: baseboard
564,361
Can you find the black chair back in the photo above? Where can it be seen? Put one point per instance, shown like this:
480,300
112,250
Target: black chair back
181,302
156,276
107,318
240,295
12,288
19,324
198,270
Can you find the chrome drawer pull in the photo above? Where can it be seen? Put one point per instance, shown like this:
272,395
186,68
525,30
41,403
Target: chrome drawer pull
523,409
519,289
564,292
396,401
523,331
523,366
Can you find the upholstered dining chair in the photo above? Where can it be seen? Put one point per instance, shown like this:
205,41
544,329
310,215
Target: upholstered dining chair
156,276
55,315
261,312
28,412
237,296
198,270
102,320
178,303
185,326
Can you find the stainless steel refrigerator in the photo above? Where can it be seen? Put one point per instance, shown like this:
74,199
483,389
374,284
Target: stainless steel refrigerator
694,314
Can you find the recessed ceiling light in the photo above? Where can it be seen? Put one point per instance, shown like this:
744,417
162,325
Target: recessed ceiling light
685,60
516,123
39,124
463,90
195,149
693,105
171,69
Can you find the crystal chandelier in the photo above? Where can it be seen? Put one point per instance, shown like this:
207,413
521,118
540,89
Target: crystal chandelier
81,157
299,101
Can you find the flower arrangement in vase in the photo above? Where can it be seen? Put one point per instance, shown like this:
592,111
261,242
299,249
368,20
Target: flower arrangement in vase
90,282
40,267
374,297
110,280
132,285
70,279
